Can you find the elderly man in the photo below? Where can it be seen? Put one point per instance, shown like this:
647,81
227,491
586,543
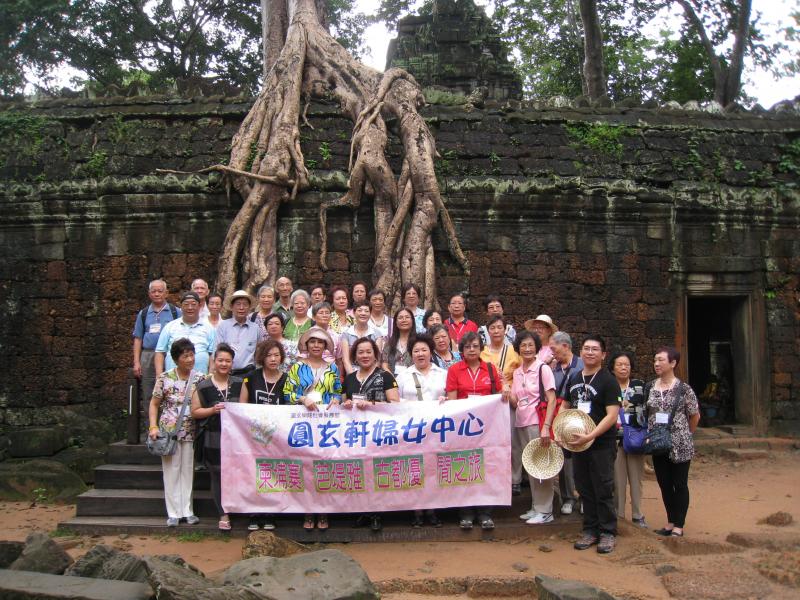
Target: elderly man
565,364
240,333
146,329
200,333
283,306
200,287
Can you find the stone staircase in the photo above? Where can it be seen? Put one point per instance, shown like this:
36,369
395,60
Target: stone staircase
128,498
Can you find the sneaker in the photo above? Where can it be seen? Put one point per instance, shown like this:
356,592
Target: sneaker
172,522
192,520
417,522
487,524
434,521
516,489
587,540
607,543
252,526
540,519
528,515
465,524
269,525
566,508
640,523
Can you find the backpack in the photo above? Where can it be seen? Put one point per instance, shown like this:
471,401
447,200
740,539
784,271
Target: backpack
143,314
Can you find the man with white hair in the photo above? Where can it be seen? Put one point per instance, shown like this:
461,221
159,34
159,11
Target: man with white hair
566,363
200,287
283,305
146,329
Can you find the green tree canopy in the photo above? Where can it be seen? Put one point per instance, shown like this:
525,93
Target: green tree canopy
111,41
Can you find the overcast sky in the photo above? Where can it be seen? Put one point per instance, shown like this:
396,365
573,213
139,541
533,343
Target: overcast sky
761,85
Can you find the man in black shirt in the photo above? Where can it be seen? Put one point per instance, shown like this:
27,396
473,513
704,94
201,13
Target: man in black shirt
594,390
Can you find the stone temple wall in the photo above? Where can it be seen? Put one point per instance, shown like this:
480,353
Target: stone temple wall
606,219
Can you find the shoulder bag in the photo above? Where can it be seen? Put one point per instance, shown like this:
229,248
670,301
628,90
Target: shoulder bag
166,442
541,406
658,441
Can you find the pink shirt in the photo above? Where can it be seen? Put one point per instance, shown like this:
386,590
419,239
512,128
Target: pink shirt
545,355
526,388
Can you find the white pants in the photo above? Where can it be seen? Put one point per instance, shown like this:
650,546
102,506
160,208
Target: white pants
541,489
178,471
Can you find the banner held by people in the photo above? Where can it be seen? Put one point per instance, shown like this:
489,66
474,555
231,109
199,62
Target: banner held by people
411,455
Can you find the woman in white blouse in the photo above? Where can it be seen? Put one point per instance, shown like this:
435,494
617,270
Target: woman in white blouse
423,381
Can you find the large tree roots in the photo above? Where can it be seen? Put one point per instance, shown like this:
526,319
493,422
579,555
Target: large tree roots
267,167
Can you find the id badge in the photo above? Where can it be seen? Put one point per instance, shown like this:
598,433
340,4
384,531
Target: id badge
662,418
524,401
359,398
155,328
585,406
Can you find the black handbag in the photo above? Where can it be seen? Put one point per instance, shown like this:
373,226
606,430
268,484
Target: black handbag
659,437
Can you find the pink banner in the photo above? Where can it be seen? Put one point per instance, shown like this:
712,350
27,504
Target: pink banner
403,456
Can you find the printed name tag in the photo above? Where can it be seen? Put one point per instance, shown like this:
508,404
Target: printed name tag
524,401
155,328
359,398
585,407
662,418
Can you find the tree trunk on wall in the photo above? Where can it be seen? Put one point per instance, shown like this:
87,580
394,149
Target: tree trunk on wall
267,166
593,69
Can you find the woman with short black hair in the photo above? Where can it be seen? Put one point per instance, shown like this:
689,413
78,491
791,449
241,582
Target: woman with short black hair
173,390
667,395
208,401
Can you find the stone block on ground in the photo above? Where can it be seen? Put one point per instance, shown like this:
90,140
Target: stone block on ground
9,552
689,547
25,585
714,582
20,479
552,588
740,454
775,541
311,576
172,580
42,555
266,543
37,441
104,562
777,519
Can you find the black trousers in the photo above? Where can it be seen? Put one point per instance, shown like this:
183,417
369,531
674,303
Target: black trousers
211,460
594,480
673,479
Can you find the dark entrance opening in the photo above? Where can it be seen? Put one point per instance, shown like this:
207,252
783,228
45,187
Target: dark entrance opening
712,357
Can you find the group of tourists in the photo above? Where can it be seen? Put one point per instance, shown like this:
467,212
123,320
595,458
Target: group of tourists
322,348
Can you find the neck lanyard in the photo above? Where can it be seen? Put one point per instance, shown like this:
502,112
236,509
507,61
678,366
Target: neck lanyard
460,327
219,391
585,384
270,390
474,378
361,384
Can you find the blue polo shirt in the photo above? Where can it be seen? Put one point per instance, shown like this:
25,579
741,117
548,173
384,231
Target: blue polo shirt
242,337
154,322
201,334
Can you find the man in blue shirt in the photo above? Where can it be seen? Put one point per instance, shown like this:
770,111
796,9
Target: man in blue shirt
146,329
200,333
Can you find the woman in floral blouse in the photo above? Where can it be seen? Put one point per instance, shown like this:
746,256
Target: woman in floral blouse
169,395
672,470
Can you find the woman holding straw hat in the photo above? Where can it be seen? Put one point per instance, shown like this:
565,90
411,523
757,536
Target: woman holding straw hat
314,383
530,379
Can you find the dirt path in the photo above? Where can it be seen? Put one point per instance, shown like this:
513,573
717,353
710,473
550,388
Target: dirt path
726,497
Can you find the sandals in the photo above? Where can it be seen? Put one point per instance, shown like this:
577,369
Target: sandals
663,531
224,525
676,533
487,524
322,522
465,524
308,523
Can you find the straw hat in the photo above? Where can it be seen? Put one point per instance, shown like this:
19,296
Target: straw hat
317,333
542,319
569,422
236,295
540,462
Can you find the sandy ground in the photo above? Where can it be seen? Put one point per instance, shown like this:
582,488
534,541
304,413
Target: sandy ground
726,497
